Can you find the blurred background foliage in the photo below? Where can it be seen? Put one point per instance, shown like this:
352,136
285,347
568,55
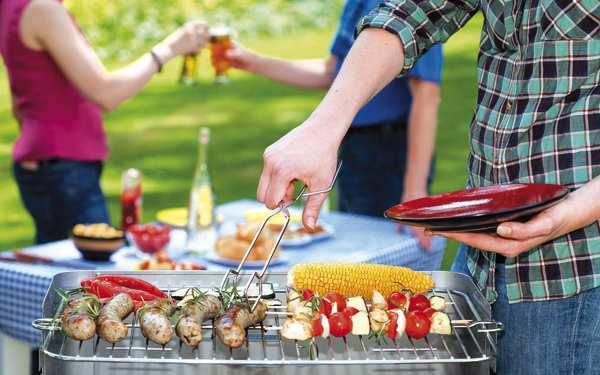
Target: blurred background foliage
121,33
156,131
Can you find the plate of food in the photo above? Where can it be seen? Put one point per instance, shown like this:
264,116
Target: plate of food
260,214
214,257
479,208
296,235
234,243
161,261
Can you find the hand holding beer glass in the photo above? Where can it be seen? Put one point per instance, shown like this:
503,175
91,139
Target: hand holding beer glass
188,69
220,42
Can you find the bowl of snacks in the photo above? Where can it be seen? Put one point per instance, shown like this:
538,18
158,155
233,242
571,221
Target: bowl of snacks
97,241
149,238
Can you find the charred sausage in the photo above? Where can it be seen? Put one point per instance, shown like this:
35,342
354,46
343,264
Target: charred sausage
231,326
109,323
76,320
154,321
196,311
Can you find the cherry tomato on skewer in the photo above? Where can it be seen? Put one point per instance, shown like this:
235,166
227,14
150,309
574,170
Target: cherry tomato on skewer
397,300
340,324
418,302
417,324
331,298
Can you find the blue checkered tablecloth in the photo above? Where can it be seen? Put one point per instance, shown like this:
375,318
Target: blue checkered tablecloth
353,238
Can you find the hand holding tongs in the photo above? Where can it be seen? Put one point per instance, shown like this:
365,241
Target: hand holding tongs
283,207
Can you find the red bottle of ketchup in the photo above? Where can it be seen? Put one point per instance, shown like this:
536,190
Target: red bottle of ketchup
131,198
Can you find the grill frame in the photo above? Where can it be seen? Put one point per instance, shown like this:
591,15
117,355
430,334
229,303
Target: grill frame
468,350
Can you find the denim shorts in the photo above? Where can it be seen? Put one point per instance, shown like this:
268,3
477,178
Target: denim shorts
60,194
548,337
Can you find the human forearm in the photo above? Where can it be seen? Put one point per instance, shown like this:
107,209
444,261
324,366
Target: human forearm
422,126
122,84
47,26
375,59
308,153
305,74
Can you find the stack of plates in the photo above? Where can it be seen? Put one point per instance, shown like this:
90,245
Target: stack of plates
478,209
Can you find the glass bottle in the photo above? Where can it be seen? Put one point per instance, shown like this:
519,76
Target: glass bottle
201,220
131,198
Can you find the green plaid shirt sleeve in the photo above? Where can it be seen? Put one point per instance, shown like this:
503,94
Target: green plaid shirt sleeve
537,118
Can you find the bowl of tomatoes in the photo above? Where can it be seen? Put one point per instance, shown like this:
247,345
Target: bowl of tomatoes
149,238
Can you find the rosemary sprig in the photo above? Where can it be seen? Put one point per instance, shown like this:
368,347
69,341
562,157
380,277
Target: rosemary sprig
317,302
64,300
91,305
404,289
313,349
380,332
229,297
197,295
142,310
399,306
183,311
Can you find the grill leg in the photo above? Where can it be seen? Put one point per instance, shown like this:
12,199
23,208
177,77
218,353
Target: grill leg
35,361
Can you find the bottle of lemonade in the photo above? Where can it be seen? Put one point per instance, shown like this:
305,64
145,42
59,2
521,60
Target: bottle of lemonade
201,221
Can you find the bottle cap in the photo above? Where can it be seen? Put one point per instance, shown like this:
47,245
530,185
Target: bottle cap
204,135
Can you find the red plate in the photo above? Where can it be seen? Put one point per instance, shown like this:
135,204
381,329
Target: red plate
479,208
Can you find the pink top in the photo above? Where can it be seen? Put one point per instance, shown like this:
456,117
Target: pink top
57,120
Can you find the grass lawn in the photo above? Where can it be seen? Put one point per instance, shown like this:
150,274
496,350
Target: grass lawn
156,131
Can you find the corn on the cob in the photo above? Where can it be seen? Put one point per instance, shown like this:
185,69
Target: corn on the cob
357,279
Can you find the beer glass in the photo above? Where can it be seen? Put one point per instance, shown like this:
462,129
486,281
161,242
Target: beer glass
220,42
188,70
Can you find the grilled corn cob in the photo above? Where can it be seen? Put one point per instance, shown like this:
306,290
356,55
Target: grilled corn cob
356,279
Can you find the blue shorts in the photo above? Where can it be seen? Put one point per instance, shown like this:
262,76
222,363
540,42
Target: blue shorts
548,337
62,193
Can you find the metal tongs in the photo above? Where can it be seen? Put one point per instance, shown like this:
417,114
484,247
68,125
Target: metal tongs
283,207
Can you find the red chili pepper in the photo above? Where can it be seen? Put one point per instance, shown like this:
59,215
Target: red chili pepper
393,324
131,282
107,289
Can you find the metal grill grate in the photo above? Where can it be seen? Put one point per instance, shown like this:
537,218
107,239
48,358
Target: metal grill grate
265,347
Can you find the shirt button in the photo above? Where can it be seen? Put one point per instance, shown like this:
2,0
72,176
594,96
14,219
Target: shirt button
509,105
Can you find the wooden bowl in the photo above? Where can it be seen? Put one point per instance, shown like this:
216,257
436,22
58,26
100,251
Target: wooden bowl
97,248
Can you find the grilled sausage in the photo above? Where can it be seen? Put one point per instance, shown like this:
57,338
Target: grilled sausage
196,311
109,323
154,321
76,320
231,326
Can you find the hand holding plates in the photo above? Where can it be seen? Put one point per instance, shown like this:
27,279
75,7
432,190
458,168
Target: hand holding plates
479,208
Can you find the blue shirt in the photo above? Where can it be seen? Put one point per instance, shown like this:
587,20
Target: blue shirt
393,102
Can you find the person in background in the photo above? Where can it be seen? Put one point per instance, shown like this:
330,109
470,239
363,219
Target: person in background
388,150
537,120
59,89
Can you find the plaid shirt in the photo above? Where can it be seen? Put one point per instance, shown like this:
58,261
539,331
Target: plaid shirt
537,118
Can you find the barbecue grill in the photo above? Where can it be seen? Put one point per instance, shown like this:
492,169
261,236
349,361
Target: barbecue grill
470,349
